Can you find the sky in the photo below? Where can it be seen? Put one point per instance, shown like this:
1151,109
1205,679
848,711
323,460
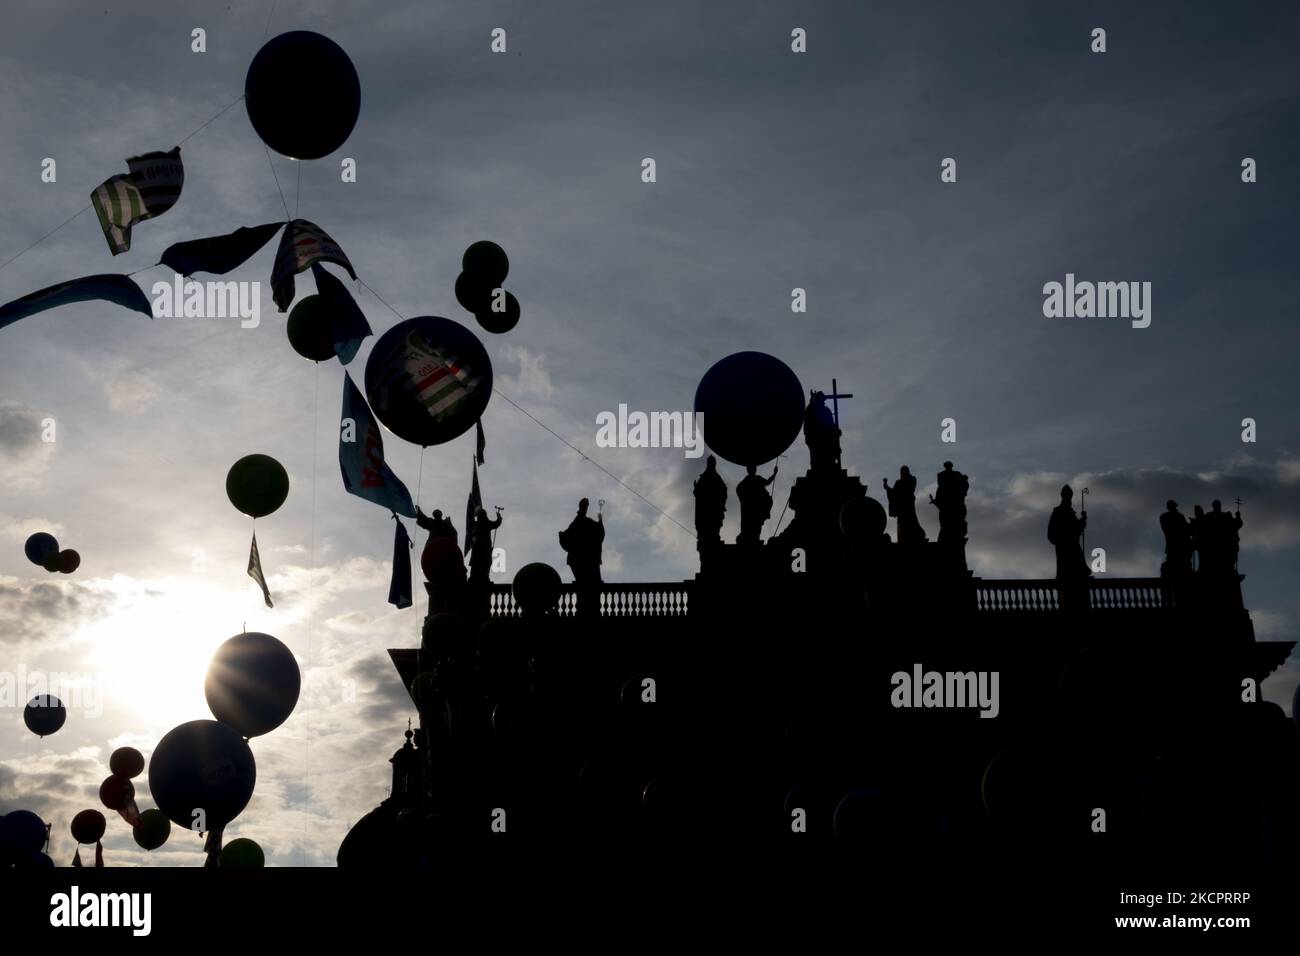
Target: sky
775,170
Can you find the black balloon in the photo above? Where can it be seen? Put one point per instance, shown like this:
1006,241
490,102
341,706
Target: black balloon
40,547
202,765
863,520
22,833
88,826
753,407
311,333
126,762
257,485
116,792
69,561
44,714
537,587
153,829
252,683
487,262
428,379
302,94
503,321
474,293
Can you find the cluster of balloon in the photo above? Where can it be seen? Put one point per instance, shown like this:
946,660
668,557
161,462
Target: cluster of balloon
252,684
44,714
23,836
753,407
428,379
311,333
117,792
484,268
257,485
43,548
294,123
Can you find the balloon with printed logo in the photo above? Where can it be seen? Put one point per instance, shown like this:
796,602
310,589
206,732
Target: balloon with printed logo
88,826
428,379
153,829
202,772
243,853
252,683
753,407
40,547
44,714
302,94
257,485
126,762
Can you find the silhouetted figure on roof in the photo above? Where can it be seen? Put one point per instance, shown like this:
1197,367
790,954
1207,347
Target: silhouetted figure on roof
902,507
437,525
755,505
1196,530
1064,530
582,541
1178,541
480,555
950,498
1219,540
710,506
821,434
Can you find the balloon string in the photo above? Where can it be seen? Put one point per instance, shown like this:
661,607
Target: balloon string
284,202
419,483
311,586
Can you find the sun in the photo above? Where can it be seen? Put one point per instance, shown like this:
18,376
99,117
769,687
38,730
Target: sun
149,653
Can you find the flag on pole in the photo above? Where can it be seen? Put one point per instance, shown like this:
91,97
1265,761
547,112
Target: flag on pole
218,254
480,443
110,287
347,323
361,456
255,571
399,589
302,244
151,188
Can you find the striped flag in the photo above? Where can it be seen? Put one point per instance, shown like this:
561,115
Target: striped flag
302,244
255,571
471,508
434,377
151,188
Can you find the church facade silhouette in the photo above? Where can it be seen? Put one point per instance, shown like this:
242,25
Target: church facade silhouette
834,686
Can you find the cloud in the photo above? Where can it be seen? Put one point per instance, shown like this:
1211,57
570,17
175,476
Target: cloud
133,392
532,378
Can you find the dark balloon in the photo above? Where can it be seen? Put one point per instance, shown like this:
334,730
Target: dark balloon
428,379
69,561
88,826
40,547
35,861
302,94
257,485
52,563
126,762
252,683
22,833
863,520
116,792
311,333
153,829
241,853
753,407
202,765
487,262
44,714
537,587
473,292
442,561
499,322
445,635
